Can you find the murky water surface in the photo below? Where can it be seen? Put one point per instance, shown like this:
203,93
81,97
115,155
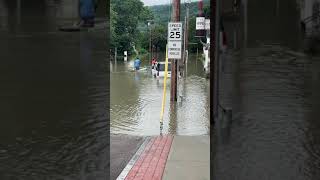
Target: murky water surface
136,99
53,94
273,90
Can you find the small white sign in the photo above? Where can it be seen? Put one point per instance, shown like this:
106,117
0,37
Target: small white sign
200,23
174,40
207,26
125,55
174,50
174,31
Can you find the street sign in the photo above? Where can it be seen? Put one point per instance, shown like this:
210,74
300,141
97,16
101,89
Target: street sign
200,23
175,31
174,40
207,24
174,50
125,55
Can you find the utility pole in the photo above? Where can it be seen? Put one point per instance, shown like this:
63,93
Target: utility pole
182,62
184,41
215,66
150,55
18,12
187,4
150,39
187,29
245,4
175,17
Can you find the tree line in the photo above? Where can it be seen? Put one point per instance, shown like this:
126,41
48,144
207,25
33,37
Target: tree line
129,25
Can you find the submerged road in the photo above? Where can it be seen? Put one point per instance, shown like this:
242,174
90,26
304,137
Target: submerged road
53,96
136,99
272,87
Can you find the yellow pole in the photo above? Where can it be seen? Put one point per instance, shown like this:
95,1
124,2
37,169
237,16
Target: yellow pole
164,87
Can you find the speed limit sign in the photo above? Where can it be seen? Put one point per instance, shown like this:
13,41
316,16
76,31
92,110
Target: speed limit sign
175,31
174,40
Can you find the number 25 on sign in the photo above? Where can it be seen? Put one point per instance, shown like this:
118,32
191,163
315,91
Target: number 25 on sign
174,31
175,35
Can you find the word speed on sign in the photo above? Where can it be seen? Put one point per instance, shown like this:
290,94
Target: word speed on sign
175,31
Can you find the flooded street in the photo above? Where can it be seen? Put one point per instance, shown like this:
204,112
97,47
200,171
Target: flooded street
53,94
273,90
136,99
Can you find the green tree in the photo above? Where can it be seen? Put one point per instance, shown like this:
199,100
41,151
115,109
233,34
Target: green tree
113,21
192,33
206,11
125,17
162,15
159,38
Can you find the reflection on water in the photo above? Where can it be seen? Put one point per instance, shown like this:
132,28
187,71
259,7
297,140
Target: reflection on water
53,96
136,99
273,90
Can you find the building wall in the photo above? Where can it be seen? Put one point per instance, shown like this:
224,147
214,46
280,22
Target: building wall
308,7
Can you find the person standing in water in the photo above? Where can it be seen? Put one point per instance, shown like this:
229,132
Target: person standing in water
137,64
87,11
153,63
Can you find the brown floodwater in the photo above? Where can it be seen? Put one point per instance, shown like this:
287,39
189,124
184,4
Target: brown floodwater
136,100
272,87
54,97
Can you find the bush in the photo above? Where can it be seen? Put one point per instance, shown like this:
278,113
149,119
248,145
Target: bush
143,51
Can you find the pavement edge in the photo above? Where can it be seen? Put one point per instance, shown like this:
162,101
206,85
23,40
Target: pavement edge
133,160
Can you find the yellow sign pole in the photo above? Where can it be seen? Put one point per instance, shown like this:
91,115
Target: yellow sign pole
164,88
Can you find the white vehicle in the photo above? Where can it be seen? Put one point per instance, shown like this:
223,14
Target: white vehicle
158,70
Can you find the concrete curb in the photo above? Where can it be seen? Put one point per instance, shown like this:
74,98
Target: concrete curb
150,160
133,160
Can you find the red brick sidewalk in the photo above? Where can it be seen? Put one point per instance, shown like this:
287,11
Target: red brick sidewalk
151,163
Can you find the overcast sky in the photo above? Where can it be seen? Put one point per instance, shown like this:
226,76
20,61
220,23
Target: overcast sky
157,2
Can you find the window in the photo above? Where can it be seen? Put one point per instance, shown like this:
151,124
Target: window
162,66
